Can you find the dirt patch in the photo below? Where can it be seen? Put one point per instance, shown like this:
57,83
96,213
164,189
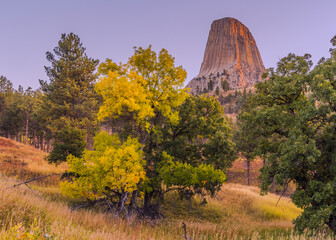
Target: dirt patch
6,143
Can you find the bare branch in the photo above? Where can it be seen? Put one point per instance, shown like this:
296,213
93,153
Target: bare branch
35,179
283,192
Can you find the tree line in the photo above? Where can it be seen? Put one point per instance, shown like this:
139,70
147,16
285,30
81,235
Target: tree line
20,115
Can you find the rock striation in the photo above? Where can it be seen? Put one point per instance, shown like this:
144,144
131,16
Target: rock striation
231,59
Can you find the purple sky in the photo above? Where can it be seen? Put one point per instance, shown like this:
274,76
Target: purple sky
110,29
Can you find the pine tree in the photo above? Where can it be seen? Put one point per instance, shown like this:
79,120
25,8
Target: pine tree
217,90
69,96
6,97
225,84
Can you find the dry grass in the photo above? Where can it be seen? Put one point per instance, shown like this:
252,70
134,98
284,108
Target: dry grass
24,162
237,211
239,216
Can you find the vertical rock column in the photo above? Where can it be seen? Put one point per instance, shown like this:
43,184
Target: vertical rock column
231,53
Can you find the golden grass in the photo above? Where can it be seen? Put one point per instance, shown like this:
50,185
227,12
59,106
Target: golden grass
236,212
241,218
269,206
22,161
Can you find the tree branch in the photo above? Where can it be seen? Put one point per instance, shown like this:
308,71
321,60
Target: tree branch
284,190
35,179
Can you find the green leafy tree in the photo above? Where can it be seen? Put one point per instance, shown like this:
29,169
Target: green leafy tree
111,172
69,97
185,142
295,111
246,136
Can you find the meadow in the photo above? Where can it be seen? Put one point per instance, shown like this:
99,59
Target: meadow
38,210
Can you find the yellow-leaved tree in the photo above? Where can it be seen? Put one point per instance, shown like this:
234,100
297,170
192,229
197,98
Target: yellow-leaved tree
113,169
178,141
147,88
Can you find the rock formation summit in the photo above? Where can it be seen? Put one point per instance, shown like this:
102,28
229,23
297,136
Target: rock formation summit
231,58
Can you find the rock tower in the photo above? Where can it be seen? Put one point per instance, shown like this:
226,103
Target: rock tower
231,59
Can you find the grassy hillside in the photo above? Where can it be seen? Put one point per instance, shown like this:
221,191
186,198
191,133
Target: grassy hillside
237,211
23,162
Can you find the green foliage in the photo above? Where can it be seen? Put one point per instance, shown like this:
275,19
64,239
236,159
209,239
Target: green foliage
202,135
68,140
11,117
69,97
6,90
18,114
246,136
7,113
200,177
225,85
210,85
217,91
294,112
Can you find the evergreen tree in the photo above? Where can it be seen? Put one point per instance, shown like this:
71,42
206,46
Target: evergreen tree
6,99
69,96
6,92
210,85
217,90
225,85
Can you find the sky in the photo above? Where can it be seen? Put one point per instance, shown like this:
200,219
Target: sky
111,28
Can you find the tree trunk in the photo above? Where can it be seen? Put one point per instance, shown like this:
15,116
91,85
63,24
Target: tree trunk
35,139
150,209
272,186
27,125
48,146
132,207
147,200
332,222
248,163
41,143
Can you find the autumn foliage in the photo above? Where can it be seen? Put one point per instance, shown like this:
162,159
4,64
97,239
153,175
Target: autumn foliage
163,139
